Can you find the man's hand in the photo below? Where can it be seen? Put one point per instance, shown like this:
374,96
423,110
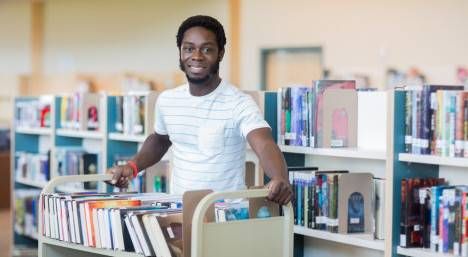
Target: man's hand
280,191
121,175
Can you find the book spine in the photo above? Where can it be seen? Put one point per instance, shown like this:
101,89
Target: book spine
433,115
440,121
452,124
464,232
434,217
425,121
459,124
403,213
408,121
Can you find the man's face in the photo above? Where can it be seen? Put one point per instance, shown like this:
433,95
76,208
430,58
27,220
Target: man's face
199,55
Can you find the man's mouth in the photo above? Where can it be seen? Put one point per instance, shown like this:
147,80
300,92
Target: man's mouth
196,68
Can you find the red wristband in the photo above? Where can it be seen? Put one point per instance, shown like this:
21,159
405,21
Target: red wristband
134,167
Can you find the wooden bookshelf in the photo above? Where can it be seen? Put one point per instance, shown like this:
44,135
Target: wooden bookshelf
359,240
35,131
336,152
419,252
435,160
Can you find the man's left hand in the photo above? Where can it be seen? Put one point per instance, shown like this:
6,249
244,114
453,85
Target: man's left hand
280,191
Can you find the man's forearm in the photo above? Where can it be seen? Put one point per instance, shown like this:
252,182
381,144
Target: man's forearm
151,152
272,161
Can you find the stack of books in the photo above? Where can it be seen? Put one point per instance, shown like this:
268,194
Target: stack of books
436,119
33,113
434,215
303,115
336,201
26,208
32,166
118,221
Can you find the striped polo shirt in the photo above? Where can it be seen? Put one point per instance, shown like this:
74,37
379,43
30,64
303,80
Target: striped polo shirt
208,135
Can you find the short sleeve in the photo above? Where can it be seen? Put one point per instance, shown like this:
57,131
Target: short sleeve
159,124
248,116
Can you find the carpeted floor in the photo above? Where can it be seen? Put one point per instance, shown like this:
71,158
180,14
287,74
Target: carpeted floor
5,232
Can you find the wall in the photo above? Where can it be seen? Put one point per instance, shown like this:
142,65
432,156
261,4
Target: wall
14,51
359,36
99,37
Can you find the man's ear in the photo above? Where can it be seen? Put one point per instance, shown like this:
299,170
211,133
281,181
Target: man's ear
221,55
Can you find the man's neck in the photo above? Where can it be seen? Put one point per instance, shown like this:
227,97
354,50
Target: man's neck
206,87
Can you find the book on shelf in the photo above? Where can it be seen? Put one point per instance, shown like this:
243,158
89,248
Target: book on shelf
300,113
33,113
379,214
433,215
336,200
73,160
32,167
434,118
80,111
130,114
25,211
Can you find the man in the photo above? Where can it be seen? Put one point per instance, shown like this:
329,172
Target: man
207,123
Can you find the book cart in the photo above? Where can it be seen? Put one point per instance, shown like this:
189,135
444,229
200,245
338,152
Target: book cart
253,237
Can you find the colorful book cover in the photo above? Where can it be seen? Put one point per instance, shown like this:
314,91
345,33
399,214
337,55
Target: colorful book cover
320,87
91,205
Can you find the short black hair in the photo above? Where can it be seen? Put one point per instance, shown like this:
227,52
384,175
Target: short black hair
206,22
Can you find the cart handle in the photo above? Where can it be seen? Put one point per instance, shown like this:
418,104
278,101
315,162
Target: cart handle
49,188
207,201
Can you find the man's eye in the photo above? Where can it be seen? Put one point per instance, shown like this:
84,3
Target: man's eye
188,49
207,50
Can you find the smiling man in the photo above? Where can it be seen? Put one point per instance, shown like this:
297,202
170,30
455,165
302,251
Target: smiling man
208,122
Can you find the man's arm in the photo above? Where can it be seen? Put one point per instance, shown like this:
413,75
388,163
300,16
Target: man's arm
153,149
273,163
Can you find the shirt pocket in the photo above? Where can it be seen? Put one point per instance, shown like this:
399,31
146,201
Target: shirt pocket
211,138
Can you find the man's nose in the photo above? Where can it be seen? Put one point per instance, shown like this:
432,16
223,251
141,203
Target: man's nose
197,54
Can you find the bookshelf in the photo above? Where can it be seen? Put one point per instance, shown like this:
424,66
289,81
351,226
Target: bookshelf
30,183
336,152
413,165
364,241
32,134
79,134
353,159
34,131
415,252
434,160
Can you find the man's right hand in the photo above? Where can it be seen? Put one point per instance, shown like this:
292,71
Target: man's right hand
121,175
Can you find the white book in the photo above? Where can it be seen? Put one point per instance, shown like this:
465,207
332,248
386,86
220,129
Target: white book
131,231
46,214
53,232
116,230
152,227
64,218
71,221
108,229
84,224
97,233
76,222
141,236
58,213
